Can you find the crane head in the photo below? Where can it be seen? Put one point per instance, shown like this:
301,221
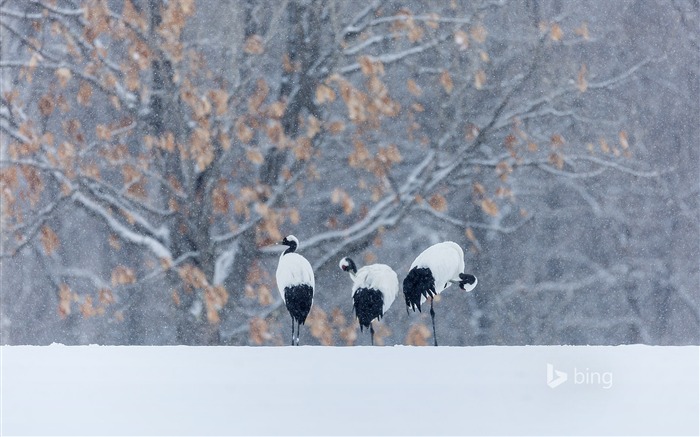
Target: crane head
467,282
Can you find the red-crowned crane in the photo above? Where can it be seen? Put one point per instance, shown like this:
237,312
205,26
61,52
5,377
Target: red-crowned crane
374,288
435,269
295,281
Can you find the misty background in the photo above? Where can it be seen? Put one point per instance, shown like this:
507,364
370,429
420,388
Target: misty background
152,152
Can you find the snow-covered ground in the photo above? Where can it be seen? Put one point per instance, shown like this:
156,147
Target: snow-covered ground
629,390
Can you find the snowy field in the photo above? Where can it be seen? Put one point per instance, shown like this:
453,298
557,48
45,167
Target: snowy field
631,390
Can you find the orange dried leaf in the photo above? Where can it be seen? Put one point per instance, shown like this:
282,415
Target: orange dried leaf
303,149
418,335
479,79
582,31
469,232
220,99
114,242
503,192
243,132
123,275
201,149
275,132
324,94
314,127
338,318
339,196
65,298
368,66
254,45
489,207
138,189
413,88
471,132
479,33
349,334
319,326
433,20
254,156
336,127
503,168
257,99
84,94
557,140
624,140
438,202
446,81
288,66
556,160
119,316
294,216
555,32
46,105
192,276
461,40
258,331
64,75
103,132
49,240
87,309
215,298
415,32
220,198
264,295
276,109
106,297
581,82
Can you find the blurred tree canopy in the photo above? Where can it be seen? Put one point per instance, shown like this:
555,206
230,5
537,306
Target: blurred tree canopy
153,151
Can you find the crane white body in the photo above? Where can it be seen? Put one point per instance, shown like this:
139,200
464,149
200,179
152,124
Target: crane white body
445,261
293,269
378,277
374,289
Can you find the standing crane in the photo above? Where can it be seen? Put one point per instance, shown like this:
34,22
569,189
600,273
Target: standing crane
374,288
295,281
435,269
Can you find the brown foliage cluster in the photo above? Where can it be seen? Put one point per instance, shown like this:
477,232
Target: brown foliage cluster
88,306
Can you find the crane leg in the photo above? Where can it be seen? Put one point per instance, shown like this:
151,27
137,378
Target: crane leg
432,316
298,325
371,332
292,331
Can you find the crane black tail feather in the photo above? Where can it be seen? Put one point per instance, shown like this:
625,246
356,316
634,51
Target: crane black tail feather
418,283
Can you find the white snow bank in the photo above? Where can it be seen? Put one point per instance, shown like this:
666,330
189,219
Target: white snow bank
360,390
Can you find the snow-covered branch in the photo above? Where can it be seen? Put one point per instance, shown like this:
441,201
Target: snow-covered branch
30,229
464,224
389,58
121,230
105,194
615,80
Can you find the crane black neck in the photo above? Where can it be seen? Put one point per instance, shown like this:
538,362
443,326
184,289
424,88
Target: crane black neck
352,268
292,247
